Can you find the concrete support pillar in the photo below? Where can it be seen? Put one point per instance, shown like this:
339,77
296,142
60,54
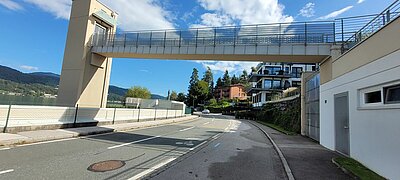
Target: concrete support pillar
85,76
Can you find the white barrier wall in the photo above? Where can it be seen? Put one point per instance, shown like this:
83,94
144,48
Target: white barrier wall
374,130
47,115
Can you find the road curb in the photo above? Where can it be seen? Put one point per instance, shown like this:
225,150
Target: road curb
69,134
344,169
288,171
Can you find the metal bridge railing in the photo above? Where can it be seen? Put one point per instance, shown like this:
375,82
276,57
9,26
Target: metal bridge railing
344,31
261,34
375,24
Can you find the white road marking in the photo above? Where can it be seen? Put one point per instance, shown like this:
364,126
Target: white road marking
193,139
217,145
228,127
215,136
6,171
129,143
148,171
187,129
193,148
3,149
206,123
46,142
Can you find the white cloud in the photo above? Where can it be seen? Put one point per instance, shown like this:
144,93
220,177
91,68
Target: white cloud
213,20
29,68
244,11
9,4
308,10
59,8
234,67
360,1
335,13
141,14
133,15
190,14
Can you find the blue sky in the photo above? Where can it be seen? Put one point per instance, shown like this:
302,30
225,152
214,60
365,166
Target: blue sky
33,32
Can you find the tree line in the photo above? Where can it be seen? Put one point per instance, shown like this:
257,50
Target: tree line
201,91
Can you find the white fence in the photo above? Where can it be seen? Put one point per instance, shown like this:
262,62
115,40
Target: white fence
46,115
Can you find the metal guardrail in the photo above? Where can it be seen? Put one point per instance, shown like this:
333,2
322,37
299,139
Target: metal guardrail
377,23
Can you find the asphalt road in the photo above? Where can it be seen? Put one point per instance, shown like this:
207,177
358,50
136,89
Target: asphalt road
210,147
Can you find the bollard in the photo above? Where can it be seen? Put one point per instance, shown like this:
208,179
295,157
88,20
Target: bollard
155,114
138,117
76,114
115,110
8,118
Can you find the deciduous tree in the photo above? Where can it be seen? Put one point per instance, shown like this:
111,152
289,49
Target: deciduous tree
138,92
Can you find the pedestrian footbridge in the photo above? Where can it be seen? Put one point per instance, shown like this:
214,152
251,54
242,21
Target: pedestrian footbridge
93,40
294,42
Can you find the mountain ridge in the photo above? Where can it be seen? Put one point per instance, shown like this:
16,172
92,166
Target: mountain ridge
52,80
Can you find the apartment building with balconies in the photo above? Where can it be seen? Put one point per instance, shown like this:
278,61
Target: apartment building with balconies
271,79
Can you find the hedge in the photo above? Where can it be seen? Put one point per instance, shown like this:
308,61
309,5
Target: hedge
284,114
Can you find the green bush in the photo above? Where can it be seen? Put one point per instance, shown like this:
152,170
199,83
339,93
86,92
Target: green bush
284,114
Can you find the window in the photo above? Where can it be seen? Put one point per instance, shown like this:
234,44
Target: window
272,84
267,84
372,97
381,96
392,94
296,72
100,33
276,84
296,83
273,70
287,70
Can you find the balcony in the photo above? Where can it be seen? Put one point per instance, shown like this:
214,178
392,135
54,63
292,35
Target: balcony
257,89
255,77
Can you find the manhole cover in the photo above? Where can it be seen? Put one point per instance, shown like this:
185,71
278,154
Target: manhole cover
106,166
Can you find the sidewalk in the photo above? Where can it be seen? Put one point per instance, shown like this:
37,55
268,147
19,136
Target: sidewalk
306,158
7,139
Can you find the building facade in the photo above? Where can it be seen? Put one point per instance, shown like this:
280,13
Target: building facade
360,102
236,91
271,79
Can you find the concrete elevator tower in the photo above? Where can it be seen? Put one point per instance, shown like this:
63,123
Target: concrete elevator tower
85,76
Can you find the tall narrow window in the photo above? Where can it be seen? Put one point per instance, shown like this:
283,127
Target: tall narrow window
100,34
296,72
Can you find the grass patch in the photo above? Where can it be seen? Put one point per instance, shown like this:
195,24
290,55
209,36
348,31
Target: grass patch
278,128
357,169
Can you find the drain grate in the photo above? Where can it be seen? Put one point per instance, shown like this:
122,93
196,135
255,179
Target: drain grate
105,166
